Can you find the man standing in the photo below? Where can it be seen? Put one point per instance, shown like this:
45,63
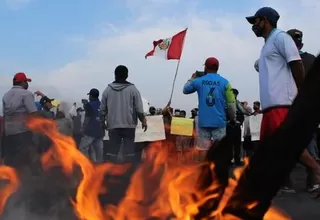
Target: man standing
77,124
281,74
91,128
121,107
152,111
256,108
307,60
18,105
46,105
235,131
214,94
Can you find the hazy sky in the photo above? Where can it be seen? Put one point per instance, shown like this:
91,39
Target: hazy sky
70,46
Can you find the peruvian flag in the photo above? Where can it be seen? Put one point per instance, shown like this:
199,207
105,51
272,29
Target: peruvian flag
169,48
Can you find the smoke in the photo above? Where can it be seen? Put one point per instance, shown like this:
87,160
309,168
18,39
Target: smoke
45,196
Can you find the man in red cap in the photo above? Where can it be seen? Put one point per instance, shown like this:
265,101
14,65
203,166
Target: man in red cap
214,94
18,104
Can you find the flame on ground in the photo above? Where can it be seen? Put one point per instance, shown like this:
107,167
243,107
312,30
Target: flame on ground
160,188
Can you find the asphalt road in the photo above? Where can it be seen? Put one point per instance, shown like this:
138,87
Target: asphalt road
299,206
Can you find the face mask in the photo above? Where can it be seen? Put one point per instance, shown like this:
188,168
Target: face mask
258,30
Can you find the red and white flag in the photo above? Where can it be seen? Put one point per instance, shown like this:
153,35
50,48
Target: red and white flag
169,48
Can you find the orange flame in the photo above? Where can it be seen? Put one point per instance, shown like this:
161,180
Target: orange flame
10,175
161,187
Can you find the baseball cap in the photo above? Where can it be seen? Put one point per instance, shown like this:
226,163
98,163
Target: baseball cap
21,77
45,100
295,33
211,63
235,91
266,12
94,92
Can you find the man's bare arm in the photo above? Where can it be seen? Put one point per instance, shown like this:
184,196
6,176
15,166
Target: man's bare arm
298,72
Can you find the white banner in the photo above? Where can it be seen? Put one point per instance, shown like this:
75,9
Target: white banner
255,126
155,130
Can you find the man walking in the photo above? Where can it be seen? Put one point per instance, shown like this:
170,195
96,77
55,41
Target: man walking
281,74
307,60
91,128
214,94
121,107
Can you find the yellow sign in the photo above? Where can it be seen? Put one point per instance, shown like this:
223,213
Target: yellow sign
56,103
182,126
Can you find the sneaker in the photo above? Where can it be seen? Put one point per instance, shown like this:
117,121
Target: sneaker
287,189
313,188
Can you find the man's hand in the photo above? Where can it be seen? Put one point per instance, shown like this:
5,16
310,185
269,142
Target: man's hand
144,125
38,93
194,75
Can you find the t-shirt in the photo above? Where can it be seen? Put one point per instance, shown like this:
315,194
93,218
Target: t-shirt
214,93
277,85
307,60
18,103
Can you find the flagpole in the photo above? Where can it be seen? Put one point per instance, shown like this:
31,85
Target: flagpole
174,81
175,75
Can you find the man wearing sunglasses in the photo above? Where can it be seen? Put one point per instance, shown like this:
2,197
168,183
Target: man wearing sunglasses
307,58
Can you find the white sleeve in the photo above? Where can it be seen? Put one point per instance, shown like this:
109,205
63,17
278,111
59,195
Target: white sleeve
287,47
72,111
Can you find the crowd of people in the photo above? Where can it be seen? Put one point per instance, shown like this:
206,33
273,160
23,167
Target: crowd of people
117,110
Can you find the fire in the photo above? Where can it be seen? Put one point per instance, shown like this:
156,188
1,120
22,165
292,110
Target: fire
10,176
160,188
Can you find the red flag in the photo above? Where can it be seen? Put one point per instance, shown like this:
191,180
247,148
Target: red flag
169,48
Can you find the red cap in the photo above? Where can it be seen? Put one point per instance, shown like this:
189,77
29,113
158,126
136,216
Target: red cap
211,63
21,77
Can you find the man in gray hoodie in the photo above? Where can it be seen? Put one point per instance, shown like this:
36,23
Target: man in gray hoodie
121,107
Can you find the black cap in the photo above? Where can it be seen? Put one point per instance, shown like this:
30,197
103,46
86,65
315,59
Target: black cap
80,109
256,103
45,100
94,92
295,33
235,91
266,12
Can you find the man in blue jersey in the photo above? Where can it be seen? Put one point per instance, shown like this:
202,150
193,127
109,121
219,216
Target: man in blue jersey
214,95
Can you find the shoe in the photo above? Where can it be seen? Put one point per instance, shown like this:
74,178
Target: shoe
288,190
313,188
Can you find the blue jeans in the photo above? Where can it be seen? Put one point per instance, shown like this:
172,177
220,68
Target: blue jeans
121,138
95,145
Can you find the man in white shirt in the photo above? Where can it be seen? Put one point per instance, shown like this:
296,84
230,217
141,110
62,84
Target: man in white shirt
281,74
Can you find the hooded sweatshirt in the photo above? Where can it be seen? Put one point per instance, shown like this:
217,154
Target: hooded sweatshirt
121,105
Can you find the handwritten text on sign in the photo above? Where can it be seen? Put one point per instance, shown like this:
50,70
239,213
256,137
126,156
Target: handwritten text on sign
155,130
